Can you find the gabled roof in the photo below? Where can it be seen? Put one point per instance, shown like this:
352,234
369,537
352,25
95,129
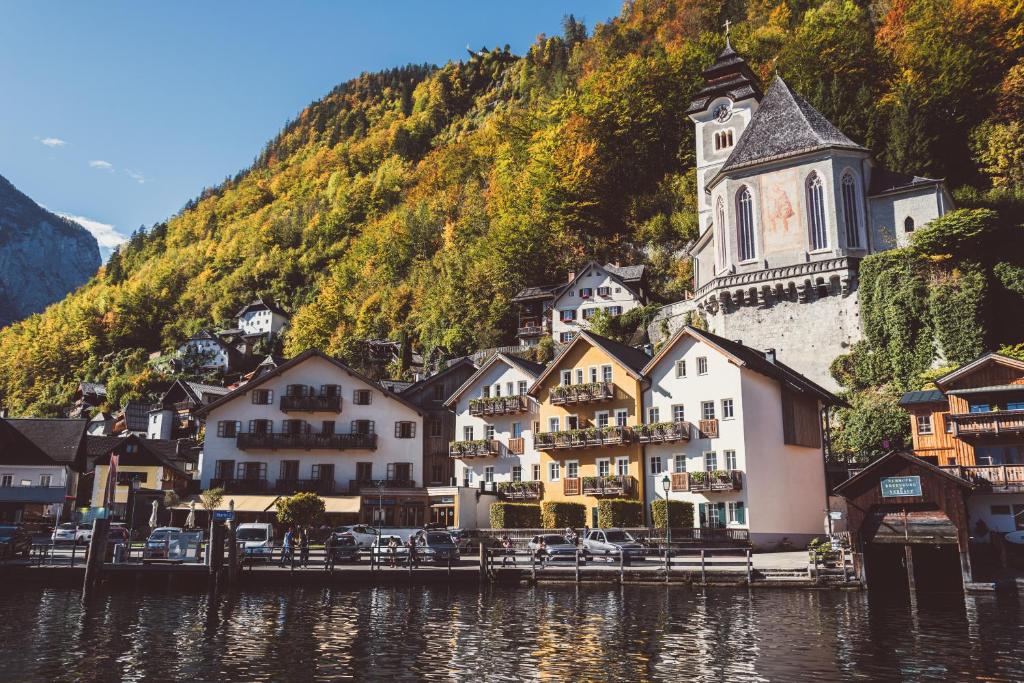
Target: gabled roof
285,367
136,415
41,441
529,367
453,365
94,388
633,360
627,276
749,358
96,446
150,452
884,181
985,359
395,385
784,125
871,469
913,398
613,271
262,303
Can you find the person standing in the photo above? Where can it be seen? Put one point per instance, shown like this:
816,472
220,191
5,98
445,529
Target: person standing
329,552
304,547
392,550
288,547
414,558
506,544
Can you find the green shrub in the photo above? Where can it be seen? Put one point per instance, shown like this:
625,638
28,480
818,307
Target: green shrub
559,515
515,516
620,512
680,513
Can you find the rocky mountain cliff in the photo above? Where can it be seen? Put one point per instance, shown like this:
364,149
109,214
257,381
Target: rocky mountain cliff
42,256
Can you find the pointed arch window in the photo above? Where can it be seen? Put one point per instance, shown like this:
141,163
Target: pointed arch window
745,224
816,225
720,234
908,225
850,212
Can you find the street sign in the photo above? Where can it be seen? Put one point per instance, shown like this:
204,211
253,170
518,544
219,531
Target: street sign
835,514
223,515
901,487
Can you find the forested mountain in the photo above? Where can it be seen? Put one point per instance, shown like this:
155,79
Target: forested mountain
412,204
42,256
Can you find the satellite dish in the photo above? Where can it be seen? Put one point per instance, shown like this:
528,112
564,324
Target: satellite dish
1016,537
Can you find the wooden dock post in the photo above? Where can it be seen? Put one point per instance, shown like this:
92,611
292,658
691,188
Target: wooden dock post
668,562
215,549
703,572
233,563
577,565
95,558
750,567
483,560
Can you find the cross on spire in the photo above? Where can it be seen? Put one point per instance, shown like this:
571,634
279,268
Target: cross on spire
727,24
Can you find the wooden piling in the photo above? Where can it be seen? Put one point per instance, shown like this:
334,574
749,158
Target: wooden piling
233,563
95,558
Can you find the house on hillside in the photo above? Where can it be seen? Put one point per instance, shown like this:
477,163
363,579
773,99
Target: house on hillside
88,396
40,464
174,417
206,351
133,419
562,310
262,317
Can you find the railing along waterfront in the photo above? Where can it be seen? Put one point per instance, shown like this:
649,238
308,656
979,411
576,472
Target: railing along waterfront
305,441
996,422
311,404
498,405
662,432
583,438
582,393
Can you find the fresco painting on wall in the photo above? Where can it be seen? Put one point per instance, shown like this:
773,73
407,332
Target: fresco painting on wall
781,212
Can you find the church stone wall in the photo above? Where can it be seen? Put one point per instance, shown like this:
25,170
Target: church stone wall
888,213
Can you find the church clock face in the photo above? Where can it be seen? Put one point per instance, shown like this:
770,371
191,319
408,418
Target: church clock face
722,112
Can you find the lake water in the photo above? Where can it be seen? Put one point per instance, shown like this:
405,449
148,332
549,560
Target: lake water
607,633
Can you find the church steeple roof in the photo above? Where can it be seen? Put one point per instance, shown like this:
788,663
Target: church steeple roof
784,125
729,76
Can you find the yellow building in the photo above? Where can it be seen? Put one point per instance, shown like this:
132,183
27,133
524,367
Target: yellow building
143,463
589,400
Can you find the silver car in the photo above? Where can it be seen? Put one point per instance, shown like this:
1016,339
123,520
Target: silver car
612,542
557,547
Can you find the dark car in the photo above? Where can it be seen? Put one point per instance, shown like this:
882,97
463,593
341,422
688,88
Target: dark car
436,546
14,540
344,548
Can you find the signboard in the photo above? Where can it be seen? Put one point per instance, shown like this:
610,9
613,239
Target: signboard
901,487
835,514
223,515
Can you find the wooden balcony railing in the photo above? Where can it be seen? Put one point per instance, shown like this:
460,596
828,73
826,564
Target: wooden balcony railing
517,446
565,394
680,481
999,422
613,485
481,448
719,480
323,487
530,331
571,487
240,486
995,477
311,404
662,432
356,486
520,490
498,405
582,438
305,441
709,429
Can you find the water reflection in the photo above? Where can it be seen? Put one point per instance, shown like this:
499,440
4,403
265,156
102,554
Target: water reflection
567,633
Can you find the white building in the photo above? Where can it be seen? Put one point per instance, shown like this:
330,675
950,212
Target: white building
262,316
563,310
40,463
207,351
315,424
738,435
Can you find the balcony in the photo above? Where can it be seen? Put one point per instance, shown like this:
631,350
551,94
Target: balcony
1000,478
33,494
981,424
498,405
612,485
323,487
569,394
662,432
240,486
516,446
571,487
582,438
520,490
478,448
530,331
708,482
368,486
311,404
709,429
335,442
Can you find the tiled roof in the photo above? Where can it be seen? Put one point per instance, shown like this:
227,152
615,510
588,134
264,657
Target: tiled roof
784,125
626,273
916,397
96,446
59,440
538,292
883,180
93,388
396,385
634,359
527,366
260,304
199,389
136,415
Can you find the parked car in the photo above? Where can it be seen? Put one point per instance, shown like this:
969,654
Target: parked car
344,547
258,540
159,541
612,542
14,540
382,552
70,532
365,536
436,546
558,547
118,533
469,541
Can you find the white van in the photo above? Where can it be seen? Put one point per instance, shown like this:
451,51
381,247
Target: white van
258,538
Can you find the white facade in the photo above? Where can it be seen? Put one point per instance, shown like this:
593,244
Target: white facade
45,476
261,320
782,491
206,352
159,424
593,290
999,511
718,129
497,379
398,451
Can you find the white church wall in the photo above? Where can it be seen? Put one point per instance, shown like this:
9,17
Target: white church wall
889,214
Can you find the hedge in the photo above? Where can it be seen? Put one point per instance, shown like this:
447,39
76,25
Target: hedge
618,512
515,516
559,515
681,513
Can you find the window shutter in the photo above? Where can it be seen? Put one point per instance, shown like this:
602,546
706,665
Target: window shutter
720,509
221,427
240,471
391,471
703,514
741,513
270,396
252,426
238,427
398,430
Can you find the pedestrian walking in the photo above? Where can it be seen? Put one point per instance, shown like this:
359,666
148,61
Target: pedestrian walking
288,547
329,552
506,544
304,547
414,557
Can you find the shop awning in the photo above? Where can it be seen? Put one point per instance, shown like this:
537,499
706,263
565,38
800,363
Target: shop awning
243,503
341,504
918,526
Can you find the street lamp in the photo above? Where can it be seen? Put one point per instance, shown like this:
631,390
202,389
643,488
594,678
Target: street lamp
666,484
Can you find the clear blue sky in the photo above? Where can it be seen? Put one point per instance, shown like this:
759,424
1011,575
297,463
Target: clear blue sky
119,112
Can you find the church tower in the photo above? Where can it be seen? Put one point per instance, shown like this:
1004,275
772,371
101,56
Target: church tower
721,111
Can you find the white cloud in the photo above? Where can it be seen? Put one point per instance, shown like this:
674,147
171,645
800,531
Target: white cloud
136,176
106,236
100,164
53,142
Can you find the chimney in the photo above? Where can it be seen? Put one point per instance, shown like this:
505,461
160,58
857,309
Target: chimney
769,355
572,276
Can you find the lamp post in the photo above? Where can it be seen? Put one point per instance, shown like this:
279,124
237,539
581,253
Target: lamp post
666,484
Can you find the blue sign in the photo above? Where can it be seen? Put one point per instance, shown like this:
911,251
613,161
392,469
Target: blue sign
901,487
223,515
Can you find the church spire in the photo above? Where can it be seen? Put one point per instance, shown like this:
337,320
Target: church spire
729,76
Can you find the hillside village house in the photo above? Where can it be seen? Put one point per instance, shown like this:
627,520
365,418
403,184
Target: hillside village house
141,464
174,417
314,424
589,400
562,310
262,317
494,423
40,464
972,426
736,433
207,351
